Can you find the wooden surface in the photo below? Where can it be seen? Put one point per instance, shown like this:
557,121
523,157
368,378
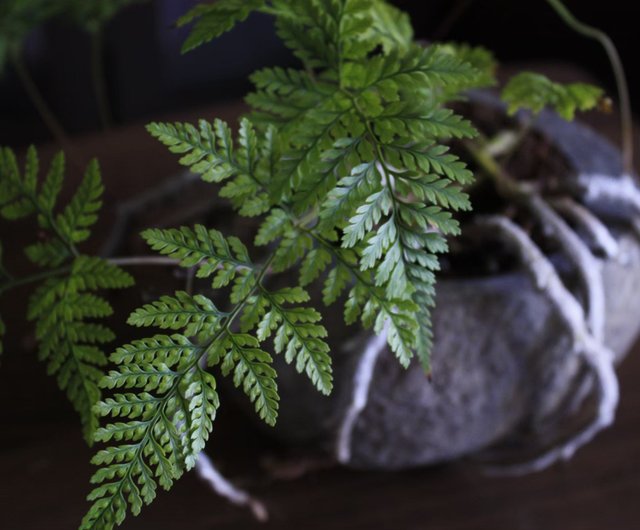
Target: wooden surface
44,477
44,466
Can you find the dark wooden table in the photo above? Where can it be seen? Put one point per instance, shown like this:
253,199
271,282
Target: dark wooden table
44,466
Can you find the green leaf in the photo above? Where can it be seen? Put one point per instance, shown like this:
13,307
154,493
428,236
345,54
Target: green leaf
241,356
534,92
169,416
92,273
212,20
210,152
314,263
191,313
216,256
299,335
82,212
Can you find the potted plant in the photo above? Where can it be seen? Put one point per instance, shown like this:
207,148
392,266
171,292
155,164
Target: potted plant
356,174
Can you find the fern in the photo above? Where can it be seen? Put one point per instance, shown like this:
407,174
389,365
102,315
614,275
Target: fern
358,114
534,92
215,19
170,400
63,306
345,163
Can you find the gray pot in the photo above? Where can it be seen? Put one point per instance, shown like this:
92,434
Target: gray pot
501,361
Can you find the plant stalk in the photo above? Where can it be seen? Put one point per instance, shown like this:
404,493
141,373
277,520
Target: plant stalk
46,114
626,119
132,261
99,79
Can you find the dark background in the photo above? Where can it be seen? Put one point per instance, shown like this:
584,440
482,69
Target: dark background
147,75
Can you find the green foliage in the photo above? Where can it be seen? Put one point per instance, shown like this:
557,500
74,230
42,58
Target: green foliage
64,306
169,403
241,356
162,413
212,20
534,92
211,152
480,58
347,163
191,313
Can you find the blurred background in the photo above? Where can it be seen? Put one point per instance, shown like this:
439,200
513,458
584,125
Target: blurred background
147,75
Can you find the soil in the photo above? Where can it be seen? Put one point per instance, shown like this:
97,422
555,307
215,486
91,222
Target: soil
537,161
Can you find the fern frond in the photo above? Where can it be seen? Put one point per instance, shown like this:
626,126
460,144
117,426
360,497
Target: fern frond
210,152
191,313
162,437
18,192
65,312
19,197
92,273
241,355
67,340
390,27
82,211
322,34
298,335
369,302
534,92
480,58
212,20
216,256
166,397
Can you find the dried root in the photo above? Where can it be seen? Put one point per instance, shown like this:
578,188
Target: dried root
587,265
207,472
615,196
597,357
597,234
127,210
361,383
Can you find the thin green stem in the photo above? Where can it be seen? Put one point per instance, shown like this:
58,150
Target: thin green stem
13,283
132,261
626,118
32,90
99,78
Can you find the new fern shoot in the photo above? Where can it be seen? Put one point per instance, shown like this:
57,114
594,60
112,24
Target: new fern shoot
344,162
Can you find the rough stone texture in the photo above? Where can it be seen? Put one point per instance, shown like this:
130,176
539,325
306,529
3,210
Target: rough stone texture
501,357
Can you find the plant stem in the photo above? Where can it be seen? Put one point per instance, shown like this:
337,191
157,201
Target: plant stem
626,119
451,18
13,283
26,280
143,260
99,80
46,114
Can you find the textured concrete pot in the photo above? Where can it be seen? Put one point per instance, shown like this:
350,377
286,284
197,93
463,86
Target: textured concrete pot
502,358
